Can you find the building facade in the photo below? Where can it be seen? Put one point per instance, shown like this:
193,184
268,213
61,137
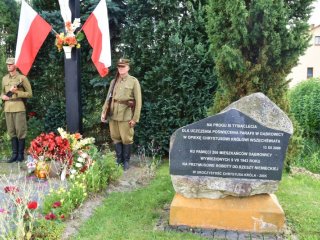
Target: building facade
309,64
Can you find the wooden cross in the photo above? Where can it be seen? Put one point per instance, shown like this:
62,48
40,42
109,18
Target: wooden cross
72,79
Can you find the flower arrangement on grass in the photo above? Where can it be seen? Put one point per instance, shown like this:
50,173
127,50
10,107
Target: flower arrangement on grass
49,146
79,147
70,150
69,38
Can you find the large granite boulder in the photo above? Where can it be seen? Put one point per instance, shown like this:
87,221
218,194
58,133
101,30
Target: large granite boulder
261,112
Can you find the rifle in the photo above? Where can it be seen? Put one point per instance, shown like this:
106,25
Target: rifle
9,93
108,108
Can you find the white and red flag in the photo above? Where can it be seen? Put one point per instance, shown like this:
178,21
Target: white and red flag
65,10
33,30
96,29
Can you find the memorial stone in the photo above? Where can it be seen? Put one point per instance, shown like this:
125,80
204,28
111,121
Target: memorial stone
238,152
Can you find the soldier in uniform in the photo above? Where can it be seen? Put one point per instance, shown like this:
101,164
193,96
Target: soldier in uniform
15,89
123,107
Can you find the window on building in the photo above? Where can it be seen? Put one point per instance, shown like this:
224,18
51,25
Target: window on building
309,72
317,40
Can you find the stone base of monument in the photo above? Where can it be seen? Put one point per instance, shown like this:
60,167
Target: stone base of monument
258,213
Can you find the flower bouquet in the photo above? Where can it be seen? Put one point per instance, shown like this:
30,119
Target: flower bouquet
48,147
79,147
68,39
69,150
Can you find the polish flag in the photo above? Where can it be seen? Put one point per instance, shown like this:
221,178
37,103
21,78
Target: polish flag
65,10
32,32
96,29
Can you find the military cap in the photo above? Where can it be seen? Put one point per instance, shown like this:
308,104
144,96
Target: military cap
123,62
10,61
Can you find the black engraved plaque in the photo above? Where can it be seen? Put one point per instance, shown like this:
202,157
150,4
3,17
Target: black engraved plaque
228,145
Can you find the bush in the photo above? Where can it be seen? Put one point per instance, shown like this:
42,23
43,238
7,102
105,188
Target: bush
305,106
47,230
295,147
5,146
35,127
177,87
94,180
309,158
55,116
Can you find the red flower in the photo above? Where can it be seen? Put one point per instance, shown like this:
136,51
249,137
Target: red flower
32,205
50,147
56,204
50,216
62,216
32,114
18,200
11,189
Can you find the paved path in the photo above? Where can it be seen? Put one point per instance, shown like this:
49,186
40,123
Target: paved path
15,174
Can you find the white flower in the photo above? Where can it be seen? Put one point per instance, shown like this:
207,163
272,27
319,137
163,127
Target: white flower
83,142
78,165
84,155
76,23
80,159
62,133
73,171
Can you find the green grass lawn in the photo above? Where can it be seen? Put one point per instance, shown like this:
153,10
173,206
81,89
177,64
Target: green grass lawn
299,196
134,215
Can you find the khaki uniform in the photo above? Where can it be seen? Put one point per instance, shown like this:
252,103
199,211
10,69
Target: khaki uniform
125,89
15,109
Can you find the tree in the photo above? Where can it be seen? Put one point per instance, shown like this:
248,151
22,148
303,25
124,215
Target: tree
8,31
167,42
255,45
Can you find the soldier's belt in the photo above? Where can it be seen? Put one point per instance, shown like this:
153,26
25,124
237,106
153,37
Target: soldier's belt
15,99
130,103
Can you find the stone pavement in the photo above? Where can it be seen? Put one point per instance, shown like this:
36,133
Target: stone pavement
227,235
15,174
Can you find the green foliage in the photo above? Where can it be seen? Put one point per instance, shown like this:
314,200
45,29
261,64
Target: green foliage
55,116
102,172
35,127
255,45
9,12
296,146
310,157
47,230
170,59
3,67
94,180
5,145
305,106
70,198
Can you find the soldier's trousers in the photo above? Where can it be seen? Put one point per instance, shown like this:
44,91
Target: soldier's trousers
16,124
120,131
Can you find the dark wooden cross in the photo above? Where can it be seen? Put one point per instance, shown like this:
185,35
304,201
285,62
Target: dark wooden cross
72,78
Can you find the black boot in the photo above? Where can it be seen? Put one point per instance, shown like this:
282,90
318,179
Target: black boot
126,155
21,145
14,144
119,148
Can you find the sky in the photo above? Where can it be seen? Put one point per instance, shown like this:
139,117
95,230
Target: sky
315,17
